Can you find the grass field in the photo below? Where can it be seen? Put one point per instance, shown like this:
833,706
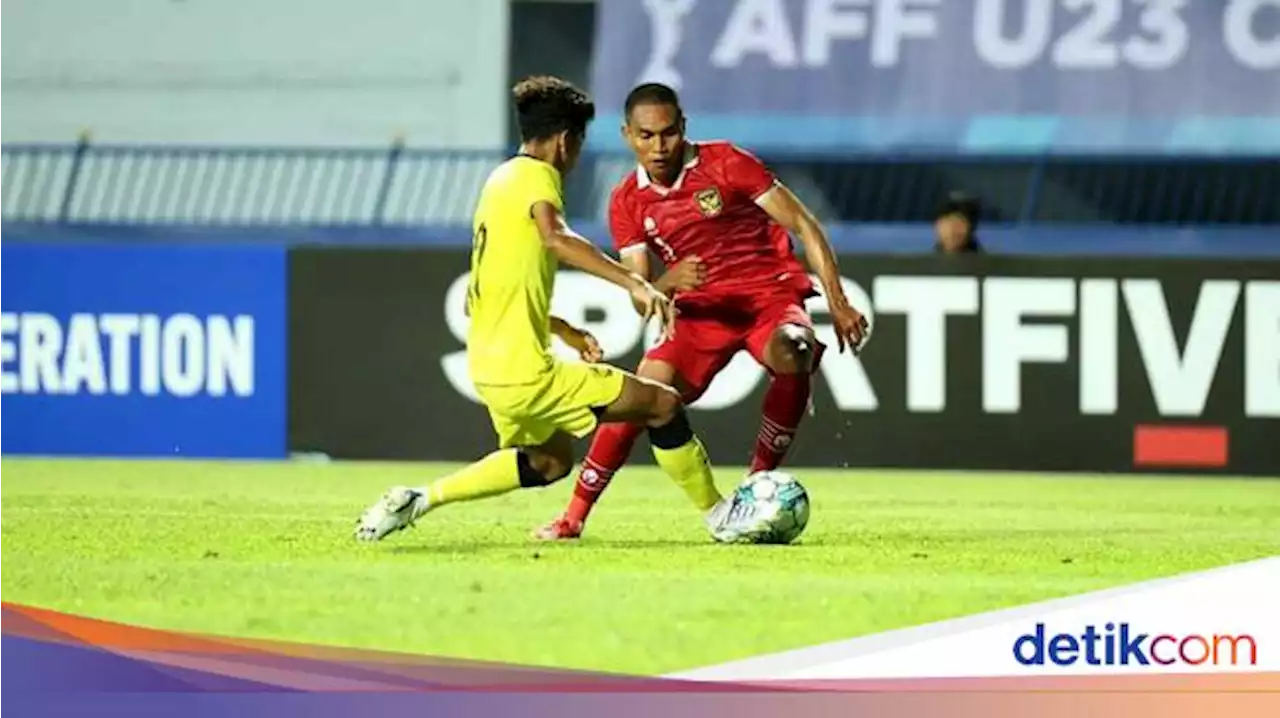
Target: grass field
264,550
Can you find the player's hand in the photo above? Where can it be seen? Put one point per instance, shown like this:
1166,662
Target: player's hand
580,341
588,348
688,274
851,327
654,303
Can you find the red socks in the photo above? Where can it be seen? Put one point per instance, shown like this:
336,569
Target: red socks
784,405
609,451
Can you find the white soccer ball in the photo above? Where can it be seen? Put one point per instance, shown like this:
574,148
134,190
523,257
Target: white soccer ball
781,499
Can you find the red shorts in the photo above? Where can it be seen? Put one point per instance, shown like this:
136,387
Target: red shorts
706,338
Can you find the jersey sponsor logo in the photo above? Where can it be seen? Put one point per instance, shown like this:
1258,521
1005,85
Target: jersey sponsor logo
710,203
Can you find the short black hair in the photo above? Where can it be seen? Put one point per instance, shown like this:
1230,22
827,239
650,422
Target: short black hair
963,204
652,93
547,106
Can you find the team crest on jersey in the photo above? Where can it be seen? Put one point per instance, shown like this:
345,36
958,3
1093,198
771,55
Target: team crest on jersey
709,202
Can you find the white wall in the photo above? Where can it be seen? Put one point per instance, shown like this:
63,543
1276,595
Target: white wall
329,72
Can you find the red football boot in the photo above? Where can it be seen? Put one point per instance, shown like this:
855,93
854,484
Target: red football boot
562,529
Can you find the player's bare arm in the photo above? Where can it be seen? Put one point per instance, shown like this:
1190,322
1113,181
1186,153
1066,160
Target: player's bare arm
786,209
577,339
576,250
636,259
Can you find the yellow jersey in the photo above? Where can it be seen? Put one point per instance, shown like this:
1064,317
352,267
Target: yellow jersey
512,276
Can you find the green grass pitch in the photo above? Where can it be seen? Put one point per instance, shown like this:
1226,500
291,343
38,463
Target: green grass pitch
265,550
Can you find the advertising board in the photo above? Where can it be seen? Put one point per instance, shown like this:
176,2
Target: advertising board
140,350
980,363
1163,76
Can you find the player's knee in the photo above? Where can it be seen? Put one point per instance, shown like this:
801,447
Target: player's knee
794,351
667,404
542,468
669,429
556,468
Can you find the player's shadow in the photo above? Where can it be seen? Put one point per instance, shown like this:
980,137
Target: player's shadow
537,550
549,549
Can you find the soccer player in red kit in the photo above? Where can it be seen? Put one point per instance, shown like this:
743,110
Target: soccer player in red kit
721,223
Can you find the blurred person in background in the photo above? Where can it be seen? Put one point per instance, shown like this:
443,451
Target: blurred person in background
956,224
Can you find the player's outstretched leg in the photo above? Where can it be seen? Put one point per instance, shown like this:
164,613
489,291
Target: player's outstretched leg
681,455
789,356
498,473
609,449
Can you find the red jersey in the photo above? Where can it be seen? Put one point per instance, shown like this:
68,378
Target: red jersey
710,211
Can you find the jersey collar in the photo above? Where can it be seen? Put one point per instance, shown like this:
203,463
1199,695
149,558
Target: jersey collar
690,161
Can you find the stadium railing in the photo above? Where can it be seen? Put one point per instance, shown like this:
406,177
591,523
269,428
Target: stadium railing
239,185
86,182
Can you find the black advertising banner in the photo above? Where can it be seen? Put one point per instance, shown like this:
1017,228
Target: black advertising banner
974,363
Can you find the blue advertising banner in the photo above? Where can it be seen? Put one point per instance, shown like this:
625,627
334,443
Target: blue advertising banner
967,75
143,350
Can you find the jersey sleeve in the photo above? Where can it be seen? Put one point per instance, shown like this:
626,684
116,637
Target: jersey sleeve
627,234
542,184
747,174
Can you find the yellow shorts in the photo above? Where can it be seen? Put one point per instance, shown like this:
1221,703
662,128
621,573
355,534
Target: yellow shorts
562,399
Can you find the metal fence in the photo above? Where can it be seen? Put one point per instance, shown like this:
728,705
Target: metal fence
1056,189
239,185
135,184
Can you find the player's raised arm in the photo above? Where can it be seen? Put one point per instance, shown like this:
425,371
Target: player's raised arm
576,250
786,209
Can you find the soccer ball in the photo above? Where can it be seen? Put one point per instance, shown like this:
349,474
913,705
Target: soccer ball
781,500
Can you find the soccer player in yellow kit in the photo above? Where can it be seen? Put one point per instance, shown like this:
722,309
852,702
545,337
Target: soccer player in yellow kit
539,404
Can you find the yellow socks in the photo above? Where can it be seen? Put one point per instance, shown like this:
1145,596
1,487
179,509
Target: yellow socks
678,452
684,458
495,474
